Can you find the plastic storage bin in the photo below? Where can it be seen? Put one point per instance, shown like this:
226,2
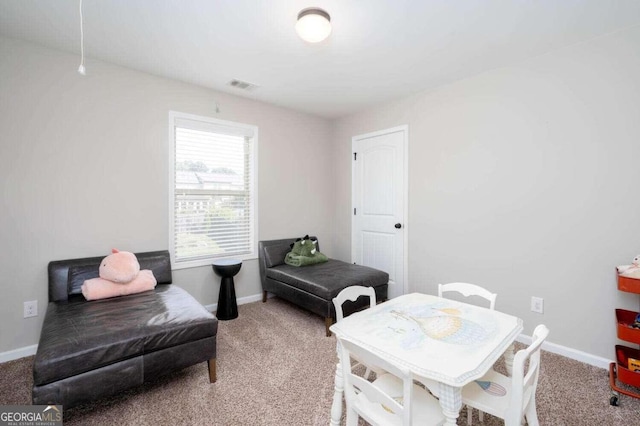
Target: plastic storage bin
627,359
625,372
630,285
625,331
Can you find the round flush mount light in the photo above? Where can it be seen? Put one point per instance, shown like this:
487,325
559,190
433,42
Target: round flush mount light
314,24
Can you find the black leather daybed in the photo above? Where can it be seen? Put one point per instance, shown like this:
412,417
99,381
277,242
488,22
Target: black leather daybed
92,349
314,287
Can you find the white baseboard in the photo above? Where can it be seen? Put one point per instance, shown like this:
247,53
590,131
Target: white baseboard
570,353
241,301
18,353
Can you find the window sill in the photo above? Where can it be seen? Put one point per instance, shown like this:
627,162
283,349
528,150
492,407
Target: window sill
209,261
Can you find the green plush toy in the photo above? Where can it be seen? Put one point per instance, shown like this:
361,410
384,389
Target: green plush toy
304,246
304,252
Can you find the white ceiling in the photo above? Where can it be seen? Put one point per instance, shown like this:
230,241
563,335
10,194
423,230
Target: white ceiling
379,49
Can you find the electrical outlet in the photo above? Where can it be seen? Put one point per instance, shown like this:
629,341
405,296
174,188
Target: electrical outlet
537,304
31,308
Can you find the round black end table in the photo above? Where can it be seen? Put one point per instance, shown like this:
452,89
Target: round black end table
227,305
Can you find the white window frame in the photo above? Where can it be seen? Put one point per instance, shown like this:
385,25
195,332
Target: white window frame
239,128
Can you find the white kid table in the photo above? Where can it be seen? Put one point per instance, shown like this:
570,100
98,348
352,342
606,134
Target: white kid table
439,339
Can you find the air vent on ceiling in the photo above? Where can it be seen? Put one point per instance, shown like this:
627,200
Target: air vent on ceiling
239,84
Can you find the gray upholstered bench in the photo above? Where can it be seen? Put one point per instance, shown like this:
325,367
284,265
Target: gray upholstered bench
314,287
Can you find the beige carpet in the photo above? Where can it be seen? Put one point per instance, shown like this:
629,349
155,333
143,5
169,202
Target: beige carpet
276,367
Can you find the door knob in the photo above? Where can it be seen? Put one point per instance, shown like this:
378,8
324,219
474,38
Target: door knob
398,225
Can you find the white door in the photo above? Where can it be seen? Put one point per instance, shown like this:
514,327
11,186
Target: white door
379,204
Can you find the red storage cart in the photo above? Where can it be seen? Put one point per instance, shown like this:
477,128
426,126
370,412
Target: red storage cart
626,369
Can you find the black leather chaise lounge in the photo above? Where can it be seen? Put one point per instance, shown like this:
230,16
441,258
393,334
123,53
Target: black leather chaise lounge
314,287
89,350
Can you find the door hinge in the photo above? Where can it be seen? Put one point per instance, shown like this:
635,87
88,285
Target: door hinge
355,156
354,211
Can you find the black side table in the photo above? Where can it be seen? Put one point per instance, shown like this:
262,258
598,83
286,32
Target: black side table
227,305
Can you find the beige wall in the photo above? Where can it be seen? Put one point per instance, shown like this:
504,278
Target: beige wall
84,167
523,180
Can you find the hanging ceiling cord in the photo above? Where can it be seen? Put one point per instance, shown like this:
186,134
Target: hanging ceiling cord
81,68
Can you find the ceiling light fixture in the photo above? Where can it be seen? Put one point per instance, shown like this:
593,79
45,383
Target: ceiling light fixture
314,24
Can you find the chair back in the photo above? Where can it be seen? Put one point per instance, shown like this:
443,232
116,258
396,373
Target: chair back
467,290
525,383
352,293
379,403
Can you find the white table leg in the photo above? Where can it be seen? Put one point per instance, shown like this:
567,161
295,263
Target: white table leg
451,403
508,359
336,406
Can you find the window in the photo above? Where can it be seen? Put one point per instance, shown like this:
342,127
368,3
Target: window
213,197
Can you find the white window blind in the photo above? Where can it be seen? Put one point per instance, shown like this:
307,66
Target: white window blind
213,202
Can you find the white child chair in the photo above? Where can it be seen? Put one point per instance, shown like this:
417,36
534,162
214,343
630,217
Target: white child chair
468,290
352,293
392,399
512,399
